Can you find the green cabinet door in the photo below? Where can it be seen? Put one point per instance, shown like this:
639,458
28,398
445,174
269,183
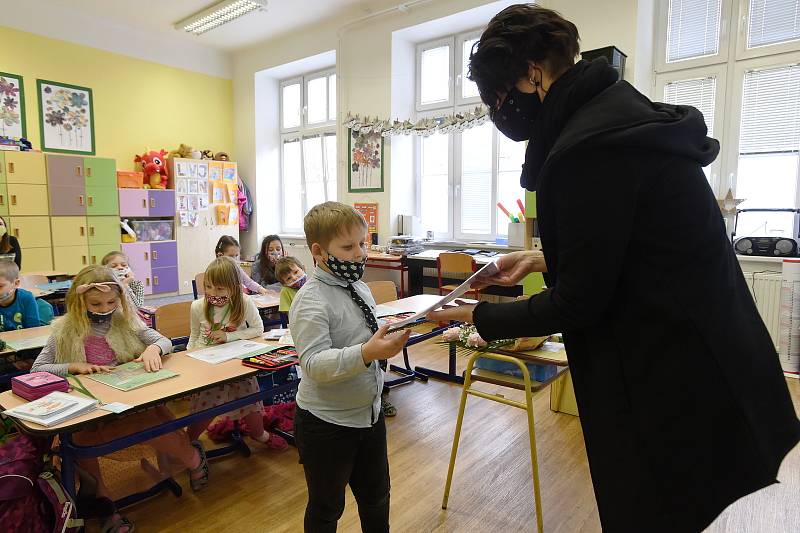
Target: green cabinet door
102,201
103,230
98,251
100,172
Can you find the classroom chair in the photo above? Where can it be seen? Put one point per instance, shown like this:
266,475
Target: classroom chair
383,291
198,287
455,263
173,321
526,384
30,281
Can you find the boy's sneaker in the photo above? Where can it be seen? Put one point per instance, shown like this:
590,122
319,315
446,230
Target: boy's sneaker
387,407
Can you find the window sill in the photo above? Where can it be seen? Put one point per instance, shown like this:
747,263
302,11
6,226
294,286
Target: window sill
473,245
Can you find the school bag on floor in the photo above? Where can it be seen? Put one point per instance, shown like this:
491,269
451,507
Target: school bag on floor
32,499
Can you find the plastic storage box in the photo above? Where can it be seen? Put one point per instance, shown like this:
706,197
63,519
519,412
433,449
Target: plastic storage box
153,230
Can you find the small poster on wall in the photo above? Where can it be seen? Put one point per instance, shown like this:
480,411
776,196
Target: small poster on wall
370,213
66,118
365,162
12,106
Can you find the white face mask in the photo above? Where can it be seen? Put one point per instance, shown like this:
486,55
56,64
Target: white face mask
6,296
122,272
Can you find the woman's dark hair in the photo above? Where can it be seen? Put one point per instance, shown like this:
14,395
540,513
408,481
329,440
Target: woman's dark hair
5,242
265,245
518,34
224,243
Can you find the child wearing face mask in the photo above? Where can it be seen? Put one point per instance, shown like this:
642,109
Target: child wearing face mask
225,314
118,263
272,251
292,274
340,427
227,246
99,331
18,307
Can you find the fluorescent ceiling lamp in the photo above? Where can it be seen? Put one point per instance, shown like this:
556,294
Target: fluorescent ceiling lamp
219,14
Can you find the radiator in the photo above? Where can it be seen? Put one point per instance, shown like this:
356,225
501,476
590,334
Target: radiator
766,290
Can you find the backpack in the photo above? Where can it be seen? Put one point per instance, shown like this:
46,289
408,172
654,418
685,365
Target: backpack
32,499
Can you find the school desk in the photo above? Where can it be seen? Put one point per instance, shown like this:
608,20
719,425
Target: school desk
193,376
390,262
6,353
50,274
39,293
417,280
23,334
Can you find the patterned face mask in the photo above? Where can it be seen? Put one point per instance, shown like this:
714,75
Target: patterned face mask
218,301
350,271
99,318
299,283
275,256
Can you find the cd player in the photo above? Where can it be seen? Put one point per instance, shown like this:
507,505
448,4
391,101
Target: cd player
766,246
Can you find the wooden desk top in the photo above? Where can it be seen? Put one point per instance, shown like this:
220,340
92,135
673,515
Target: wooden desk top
38,293
22,334
271,299
194,375
389,258
47,273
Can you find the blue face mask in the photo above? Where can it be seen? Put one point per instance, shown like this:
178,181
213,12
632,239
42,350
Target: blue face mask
299,283
350,271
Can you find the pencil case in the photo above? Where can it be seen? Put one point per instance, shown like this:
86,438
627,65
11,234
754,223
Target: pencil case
37,384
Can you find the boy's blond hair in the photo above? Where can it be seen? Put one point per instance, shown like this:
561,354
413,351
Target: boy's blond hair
9,270
328,220
223,272
284,267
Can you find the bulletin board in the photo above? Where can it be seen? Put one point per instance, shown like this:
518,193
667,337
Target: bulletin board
370,212
191,190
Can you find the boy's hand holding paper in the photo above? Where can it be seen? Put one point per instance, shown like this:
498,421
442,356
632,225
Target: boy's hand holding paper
383,345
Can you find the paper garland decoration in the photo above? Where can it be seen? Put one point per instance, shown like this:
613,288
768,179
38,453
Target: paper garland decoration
425,127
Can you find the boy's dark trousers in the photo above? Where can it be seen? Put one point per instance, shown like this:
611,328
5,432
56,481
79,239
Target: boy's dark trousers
333,456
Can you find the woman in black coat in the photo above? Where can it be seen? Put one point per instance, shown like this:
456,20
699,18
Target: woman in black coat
682,401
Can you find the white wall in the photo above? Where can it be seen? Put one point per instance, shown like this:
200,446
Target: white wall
365,65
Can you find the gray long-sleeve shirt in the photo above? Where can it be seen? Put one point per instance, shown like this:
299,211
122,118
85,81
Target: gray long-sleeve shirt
46,361
328,329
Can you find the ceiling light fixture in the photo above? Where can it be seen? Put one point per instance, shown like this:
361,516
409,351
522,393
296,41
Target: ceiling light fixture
219,14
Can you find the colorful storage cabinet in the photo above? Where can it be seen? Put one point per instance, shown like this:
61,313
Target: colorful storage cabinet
155,264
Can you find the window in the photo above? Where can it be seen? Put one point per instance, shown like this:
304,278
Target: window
750,100
308,146
472,169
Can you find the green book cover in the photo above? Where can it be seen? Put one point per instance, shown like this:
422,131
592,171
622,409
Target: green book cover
131,376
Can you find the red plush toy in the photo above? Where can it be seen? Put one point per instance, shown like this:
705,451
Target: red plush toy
154,166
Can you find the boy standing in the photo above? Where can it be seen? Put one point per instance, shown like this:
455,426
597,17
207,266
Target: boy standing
339,427
18,307
292,275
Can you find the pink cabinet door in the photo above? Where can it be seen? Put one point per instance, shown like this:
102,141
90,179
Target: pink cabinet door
139,260
67,201
65,171
133,203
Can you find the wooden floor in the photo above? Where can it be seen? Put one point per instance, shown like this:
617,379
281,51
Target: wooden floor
492,489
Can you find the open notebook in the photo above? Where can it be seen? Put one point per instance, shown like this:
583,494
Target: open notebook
131,375
53,409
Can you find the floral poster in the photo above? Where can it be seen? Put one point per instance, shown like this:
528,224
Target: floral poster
12,106
67,118
365,168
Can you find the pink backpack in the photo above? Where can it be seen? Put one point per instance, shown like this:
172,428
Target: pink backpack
32,499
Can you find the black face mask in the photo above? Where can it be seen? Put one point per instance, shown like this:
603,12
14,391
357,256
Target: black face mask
516,116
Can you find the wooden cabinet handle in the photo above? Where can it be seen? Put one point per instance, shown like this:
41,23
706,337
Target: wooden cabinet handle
13,199
78,172
2,199
83,258
154,253
152,203
94,259
83,231
16,233
155,280
91,231
80,200
146,258
10,167
147,281
144,203
90,200
88,172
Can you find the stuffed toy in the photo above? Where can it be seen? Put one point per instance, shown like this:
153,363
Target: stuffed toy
154,167
207,154
220,156
186,152
128,235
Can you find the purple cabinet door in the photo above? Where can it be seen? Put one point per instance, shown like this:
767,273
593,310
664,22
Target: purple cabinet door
139,260
165,279
133,203
163,254
65,171
67,201
161,203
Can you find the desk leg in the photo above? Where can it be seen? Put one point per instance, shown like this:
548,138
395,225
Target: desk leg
450,375
67,463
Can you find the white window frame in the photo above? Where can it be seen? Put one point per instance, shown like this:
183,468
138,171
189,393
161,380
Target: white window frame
742,52
720,72
448,235
662,24
304,131
734,116
460,76
448,41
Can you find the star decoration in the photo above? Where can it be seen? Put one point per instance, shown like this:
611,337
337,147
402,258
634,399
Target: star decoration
729,204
